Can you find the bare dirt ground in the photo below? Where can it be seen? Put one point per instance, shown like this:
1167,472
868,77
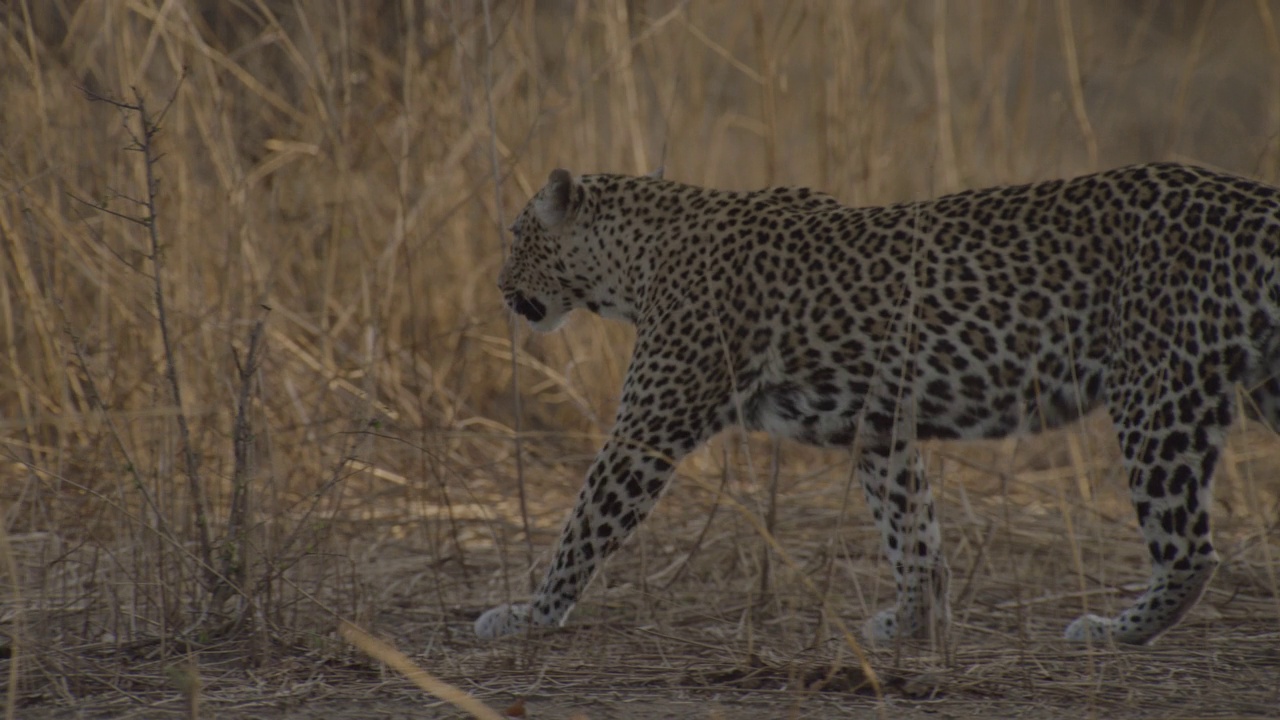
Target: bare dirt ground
684,623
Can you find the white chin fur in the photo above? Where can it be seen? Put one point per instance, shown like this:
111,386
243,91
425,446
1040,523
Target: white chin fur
550,323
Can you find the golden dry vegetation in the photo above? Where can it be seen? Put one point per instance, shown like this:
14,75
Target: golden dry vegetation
274,387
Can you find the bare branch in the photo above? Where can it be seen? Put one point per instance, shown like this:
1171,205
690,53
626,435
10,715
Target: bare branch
144,144
108,211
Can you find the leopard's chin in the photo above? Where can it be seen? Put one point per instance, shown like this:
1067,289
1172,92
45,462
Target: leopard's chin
549,323
531,309
540,317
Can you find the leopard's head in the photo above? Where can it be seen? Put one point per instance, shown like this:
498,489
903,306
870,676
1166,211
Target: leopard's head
542,277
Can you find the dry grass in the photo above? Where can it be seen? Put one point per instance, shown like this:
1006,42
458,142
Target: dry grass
339,173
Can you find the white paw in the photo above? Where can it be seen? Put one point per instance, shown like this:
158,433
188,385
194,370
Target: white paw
888,625
882,627
502,620
1094,628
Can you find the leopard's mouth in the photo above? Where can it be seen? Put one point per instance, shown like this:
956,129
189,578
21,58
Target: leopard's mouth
530,308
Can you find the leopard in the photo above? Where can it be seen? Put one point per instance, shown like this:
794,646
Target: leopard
1148,290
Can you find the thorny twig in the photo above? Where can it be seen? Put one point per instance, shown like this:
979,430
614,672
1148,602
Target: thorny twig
233,566
144,142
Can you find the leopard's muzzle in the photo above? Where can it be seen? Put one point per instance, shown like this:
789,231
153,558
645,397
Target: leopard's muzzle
533,310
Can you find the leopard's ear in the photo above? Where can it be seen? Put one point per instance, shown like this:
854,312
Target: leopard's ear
555,204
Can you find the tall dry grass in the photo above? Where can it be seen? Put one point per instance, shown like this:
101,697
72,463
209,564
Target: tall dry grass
340,173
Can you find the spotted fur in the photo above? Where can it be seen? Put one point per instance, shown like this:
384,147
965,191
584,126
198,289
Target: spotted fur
1148,290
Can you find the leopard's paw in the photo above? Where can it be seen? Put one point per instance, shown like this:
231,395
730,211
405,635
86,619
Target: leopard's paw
502,621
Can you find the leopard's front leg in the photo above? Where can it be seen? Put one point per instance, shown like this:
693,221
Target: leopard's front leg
652,433
624,483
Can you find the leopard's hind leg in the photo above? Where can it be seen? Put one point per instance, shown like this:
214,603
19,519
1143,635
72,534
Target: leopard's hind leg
1172,430
901,502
